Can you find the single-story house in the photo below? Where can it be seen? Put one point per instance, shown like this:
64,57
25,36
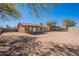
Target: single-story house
29,27
45,28
26,28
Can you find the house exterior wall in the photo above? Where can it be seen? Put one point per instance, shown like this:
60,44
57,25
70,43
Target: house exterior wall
36,29
45,29
28,29
21,29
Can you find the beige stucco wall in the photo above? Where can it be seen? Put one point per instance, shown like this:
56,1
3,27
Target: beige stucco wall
27,29
21,29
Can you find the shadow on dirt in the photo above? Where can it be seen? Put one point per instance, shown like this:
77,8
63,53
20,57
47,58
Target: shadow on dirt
30,46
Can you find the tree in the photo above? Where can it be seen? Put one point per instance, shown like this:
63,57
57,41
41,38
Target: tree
7,26
41,24
69,23
11,10
51,24
7,10
35,8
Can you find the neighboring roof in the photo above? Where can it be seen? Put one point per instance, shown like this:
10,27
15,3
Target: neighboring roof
29,24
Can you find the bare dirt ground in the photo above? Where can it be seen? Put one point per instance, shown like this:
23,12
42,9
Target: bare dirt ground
56,37
15,34
60,37
46,44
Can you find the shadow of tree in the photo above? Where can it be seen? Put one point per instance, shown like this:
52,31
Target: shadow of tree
25,46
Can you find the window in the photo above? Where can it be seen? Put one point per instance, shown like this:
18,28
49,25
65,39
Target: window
30,28
34,29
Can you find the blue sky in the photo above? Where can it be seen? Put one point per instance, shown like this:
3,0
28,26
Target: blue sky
61,12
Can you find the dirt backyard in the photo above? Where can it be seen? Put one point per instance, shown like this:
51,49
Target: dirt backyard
46,44
56,37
